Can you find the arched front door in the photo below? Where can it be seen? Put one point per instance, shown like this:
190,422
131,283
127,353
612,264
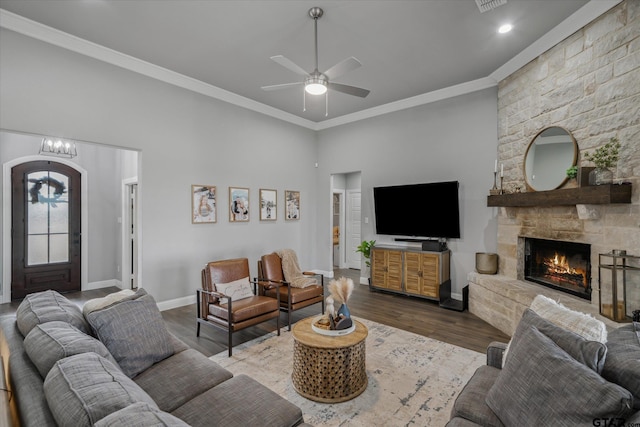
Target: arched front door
45,228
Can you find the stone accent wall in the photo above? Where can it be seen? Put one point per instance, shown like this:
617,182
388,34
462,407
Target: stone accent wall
588,84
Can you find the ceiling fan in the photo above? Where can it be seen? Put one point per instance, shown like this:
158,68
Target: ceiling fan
317,83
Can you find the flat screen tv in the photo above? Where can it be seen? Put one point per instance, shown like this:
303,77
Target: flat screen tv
429,210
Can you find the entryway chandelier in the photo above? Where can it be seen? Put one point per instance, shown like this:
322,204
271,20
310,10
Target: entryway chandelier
58,147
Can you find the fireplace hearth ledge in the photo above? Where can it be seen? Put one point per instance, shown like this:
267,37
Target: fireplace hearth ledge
501,300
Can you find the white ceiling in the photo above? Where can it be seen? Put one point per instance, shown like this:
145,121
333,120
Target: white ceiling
411,51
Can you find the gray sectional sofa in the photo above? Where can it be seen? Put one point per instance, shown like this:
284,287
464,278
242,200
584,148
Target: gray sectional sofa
553,376
115,364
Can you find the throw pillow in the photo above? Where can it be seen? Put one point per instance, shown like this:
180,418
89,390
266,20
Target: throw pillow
47,306
82,389
52,341
140,414
580,323
134,333
100,303
543,385
238,289
592,354
623,359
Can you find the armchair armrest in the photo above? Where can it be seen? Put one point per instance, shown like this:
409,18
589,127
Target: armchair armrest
212,293
495,351
313,273
268,283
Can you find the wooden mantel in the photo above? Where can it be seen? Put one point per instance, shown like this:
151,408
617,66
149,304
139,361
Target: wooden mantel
591,195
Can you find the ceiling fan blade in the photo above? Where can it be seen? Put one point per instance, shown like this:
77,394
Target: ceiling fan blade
289,65
281,86
342,67
349,90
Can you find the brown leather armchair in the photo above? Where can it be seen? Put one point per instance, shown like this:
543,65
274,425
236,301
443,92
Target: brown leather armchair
271,276
233,315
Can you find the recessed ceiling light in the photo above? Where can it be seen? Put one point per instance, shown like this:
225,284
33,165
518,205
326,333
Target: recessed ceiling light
505,28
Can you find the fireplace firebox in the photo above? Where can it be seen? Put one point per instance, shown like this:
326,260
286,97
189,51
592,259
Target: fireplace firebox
564,266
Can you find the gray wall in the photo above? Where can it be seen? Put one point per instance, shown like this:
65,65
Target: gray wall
453,139
51,91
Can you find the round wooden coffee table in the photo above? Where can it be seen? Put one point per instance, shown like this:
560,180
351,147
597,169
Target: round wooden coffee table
328,369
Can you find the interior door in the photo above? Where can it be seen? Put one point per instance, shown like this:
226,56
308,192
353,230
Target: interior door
353,226
45,228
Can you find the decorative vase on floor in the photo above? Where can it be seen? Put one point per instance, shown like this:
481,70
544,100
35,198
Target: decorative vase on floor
600,176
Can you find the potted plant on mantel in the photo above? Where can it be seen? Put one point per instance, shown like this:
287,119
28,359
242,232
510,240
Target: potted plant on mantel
365,249
603,158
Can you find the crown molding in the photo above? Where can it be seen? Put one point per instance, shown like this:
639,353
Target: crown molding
579,19
414,101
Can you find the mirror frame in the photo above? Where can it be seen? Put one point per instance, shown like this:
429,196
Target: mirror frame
576,152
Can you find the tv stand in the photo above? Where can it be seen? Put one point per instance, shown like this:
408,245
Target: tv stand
409,271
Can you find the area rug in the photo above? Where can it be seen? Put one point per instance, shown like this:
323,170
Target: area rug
413,380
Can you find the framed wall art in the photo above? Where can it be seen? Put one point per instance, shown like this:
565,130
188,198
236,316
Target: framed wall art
203,204
238,204
268,205
291,205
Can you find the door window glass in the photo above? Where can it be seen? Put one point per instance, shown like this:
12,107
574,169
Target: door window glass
47,218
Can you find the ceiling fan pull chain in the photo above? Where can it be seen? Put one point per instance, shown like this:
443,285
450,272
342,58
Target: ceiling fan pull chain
326,104
304,100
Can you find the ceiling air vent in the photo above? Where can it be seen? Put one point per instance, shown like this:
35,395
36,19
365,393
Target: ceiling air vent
487,5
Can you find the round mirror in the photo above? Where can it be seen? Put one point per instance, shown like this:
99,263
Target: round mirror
549,155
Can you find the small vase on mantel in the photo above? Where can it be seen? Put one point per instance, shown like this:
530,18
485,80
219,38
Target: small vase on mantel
600,176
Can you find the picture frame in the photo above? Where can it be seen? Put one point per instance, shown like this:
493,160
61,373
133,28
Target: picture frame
268,205
203,204
291,205
238,204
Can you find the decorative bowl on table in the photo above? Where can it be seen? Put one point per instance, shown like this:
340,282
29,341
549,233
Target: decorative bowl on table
319,327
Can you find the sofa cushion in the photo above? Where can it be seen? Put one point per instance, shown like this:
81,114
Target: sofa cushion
84,388
49,342
180,378
140,415
229,405
47,306
470,403
237,290
100,303
134,333
623,359
541,384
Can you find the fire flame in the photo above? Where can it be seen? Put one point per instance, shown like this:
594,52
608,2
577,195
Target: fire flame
559,265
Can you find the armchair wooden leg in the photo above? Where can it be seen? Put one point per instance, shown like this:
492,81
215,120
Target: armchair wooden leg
197,328
230,342
278,323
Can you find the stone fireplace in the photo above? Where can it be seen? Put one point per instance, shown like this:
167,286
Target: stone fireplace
559,265
586,84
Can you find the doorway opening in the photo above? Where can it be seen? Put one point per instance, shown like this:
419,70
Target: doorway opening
346,215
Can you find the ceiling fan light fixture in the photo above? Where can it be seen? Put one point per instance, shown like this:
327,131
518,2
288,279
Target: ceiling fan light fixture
315,86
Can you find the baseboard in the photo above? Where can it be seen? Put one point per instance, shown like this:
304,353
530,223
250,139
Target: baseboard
103,284
177,302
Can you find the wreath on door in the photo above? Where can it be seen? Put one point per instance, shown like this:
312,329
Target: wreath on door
37,197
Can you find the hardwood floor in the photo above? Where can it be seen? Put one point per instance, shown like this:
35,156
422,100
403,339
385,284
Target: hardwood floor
416,315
